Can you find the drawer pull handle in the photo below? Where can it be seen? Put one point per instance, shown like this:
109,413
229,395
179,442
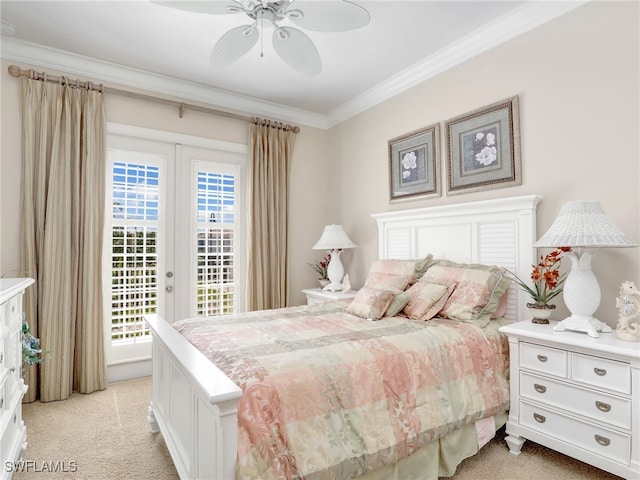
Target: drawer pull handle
603,407
540,418
540,388
604,441
13,370
542,358
601,372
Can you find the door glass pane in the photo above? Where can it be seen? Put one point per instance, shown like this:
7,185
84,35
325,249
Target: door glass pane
134,255
215,234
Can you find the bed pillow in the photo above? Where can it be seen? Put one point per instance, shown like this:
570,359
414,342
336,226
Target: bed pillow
371,303
423,265
402,268
502,306
398,303
427,299
477,292
385,281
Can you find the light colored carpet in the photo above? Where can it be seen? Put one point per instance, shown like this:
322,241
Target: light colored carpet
105,435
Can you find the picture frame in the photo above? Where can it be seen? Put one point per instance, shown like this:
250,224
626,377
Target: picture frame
483,148
414,164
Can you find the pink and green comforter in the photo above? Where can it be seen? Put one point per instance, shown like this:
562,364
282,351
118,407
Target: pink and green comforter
330,395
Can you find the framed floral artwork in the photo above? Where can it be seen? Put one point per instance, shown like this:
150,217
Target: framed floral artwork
483,148
414,164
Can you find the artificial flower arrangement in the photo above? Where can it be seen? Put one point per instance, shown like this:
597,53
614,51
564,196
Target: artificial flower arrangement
321,267
547,281
32,354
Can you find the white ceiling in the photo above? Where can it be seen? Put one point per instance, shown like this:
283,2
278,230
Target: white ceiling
139,44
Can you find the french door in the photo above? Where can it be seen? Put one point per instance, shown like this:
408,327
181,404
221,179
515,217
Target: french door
174,235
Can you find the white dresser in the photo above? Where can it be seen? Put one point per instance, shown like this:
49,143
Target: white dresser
12,388
576,394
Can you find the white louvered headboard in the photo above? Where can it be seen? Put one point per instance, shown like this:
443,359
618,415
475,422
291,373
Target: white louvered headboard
492,232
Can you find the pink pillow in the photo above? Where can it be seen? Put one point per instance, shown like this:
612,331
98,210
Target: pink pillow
502,305
473,293
385,281
398,268
426,300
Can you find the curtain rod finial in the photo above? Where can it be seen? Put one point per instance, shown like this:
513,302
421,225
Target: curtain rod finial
15,71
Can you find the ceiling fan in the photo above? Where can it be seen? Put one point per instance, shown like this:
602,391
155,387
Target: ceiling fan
293,46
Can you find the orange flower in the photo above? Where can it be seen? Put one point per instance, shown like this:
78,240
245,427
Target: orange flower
547,281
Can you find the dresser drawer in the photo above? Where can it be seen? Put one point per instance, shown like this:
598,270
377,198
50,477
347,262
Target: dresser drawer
544,359
10,436
601,372
599,440
605,408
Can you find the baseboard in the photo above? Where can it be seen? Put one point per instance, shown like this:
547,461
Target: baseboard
128,370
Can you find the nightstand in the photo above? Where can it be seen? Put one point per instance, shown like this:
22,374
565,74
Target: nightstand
318,295
575,394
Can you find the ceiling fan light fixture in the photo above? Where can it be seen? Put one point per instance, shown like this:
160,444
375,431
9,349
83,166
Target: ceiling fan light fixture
247,32
295,14
234,9
282,33
293,46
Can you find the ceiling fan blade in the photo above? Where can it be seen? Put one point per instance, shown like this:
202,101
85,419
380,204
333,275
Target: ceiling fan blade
212,7
297,50
330,16
234,44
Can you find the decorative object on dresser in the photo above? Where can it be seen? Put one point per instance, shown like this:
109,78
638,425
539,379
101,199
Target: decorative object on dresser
321,269
414,161
628,304
579,398
547,284
583,224
483,148
346,283
335,240
13,432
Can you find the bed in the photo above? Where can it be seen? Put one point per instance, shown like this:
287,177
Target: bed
280,394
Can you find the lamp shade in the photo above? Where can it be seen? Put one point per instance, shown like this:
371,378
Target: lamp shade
583,224
333,238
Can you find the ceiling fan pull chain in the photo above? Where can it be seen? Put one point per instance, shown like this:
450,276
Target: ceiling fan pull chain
261,33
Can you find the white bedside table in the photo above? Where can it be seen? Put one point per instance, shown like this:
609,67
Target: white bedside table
318,295
575,394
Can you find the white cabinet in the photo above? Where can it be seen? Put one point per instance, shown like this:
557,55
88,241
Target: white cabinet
576,394
12,388
318,295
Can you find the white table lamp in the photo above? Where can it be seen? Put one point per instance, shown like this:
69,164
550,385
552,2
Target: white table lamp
335,240
582,224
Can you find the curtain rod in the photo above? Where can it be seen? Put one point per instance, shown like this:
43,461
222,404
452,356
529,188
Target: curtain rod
16,71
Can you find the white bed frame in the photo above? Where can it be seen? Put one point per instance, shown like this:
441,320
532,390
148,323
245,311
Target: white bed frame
194,404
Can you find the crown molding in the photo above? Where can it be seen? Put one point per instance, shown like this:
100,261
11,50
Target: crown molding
517,22
520,20
41,56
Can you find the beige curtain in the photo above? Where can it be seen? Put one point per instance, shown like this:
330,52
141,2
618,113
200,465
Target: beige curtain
62,210
270,150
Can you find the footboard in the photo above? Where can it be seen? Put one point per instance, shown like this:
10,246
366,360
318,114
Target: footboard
194,406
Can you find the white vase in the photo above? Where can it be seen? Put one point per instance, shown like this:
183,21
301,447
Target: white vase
323,282
540,313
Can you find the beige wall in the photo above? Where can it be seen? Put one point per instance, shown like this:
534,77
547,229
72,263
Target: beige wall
577,79
578,85
308,173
